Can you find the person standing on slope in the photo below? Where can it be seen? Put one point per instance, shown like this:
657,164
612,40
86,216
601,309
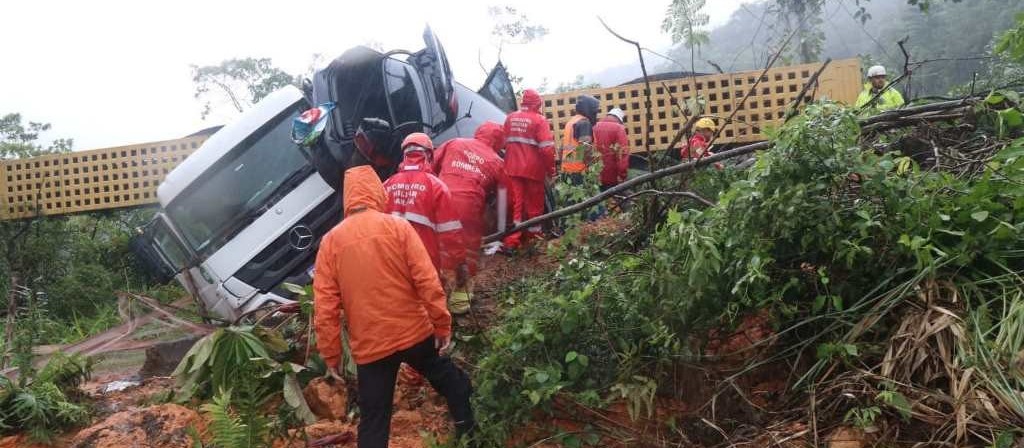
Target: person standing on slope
472,170
374,269
529,164
415,194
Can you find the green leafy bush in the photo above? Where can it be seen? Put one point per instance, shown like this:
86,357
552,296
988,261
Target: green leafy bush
48,403
238,365
826,237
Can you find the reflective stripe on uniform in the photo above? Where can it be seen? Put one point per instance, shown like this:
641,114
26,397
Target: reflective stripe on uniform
524,140
424,221
448,226
530,141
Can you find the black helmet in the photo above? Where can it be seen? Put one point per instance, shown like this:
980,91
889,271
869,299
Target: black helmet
588,106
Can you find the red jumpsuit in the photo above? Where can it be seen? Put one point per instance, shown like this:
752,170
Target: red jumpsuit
529,161
418,196
472,170
611,141
696,148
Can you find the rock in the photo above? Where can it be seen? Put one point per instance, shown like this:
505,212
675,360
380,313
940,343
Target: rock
163,358
327,399
120,385
322,433
846,437
165,426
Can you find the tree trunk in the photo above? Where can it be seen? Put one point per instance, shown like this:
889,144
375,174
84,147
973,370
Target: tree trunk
12,311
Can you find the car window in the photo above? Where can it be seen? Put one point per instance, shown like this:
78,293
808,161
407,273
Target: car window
404,92
498,89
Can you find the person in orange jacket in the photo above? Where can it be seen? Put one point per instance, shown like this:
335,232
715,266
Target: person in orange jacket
578,139
529,164
472,170
418,196
373,268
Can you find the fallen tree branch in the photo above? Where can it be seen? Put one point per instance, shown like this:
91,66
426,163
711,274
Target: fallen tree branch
914,120
894,114
595,200
684,194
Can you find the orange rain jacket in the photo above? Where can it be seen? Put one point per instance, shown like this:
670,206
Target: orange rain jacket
375,267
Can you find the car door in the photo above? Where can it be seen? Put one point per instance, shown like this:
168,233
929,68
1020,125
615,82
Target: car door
432,65
498,89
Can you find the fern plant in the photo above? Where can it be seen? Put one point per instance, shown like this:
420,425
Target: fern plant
231,428
213,363
238,363
44,404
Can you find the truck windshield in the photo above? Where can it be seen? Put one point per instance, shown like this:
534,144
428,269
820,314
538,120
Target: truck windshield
168,246
234,190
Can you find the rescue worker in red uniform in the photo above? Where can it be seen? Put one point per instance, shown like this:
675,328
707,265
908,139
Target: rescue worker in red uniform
529,164
472,170
418,196
611,141
697,147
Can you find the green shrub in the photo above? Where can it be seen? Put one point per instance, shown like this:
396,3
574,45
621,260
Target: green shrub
48,403
819,233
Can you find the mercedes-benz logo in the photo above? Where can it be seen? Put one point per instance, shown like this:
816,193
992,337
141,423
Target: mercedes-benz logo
300,237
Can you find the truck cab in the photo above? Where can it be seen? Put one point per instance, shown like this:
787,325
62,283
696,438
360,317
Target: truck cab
244,214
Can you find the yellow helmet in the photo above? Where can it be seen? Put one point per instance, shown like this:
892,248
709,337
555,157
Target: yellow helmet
706,123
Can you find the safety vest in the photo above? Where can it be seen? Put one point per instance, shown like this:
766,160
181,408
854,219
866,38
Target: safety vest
889,99
572,160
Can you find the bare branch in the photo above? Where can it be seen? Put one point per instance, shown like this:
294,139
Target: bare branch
800,97
753,88
647,90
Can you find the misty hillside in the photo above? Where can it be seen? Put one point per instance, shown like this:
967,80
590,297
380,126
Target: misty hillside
947,31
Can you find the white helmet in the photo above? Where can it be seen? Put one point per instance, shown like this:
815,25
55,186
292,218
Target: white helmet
618,113
876,70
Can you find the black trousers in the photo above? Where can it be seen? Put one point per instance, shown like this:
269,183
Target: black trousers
377,390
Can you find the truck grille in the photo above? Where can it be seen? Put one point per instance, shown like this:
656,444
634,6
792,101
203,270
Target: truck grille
282,259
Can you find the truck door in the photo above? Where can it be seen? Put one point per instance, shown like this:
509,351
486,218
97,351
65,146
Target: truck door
498,89
159,250
432,65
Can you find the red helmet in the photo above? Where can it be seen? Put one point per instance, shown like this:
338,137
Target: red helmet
417,141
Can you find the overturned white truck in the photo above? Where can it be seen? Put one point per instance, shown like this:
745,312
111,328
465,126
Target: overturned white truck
244,214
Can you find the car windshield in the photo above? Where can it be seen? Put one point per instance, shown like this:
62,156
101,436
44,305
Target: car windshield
240,184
